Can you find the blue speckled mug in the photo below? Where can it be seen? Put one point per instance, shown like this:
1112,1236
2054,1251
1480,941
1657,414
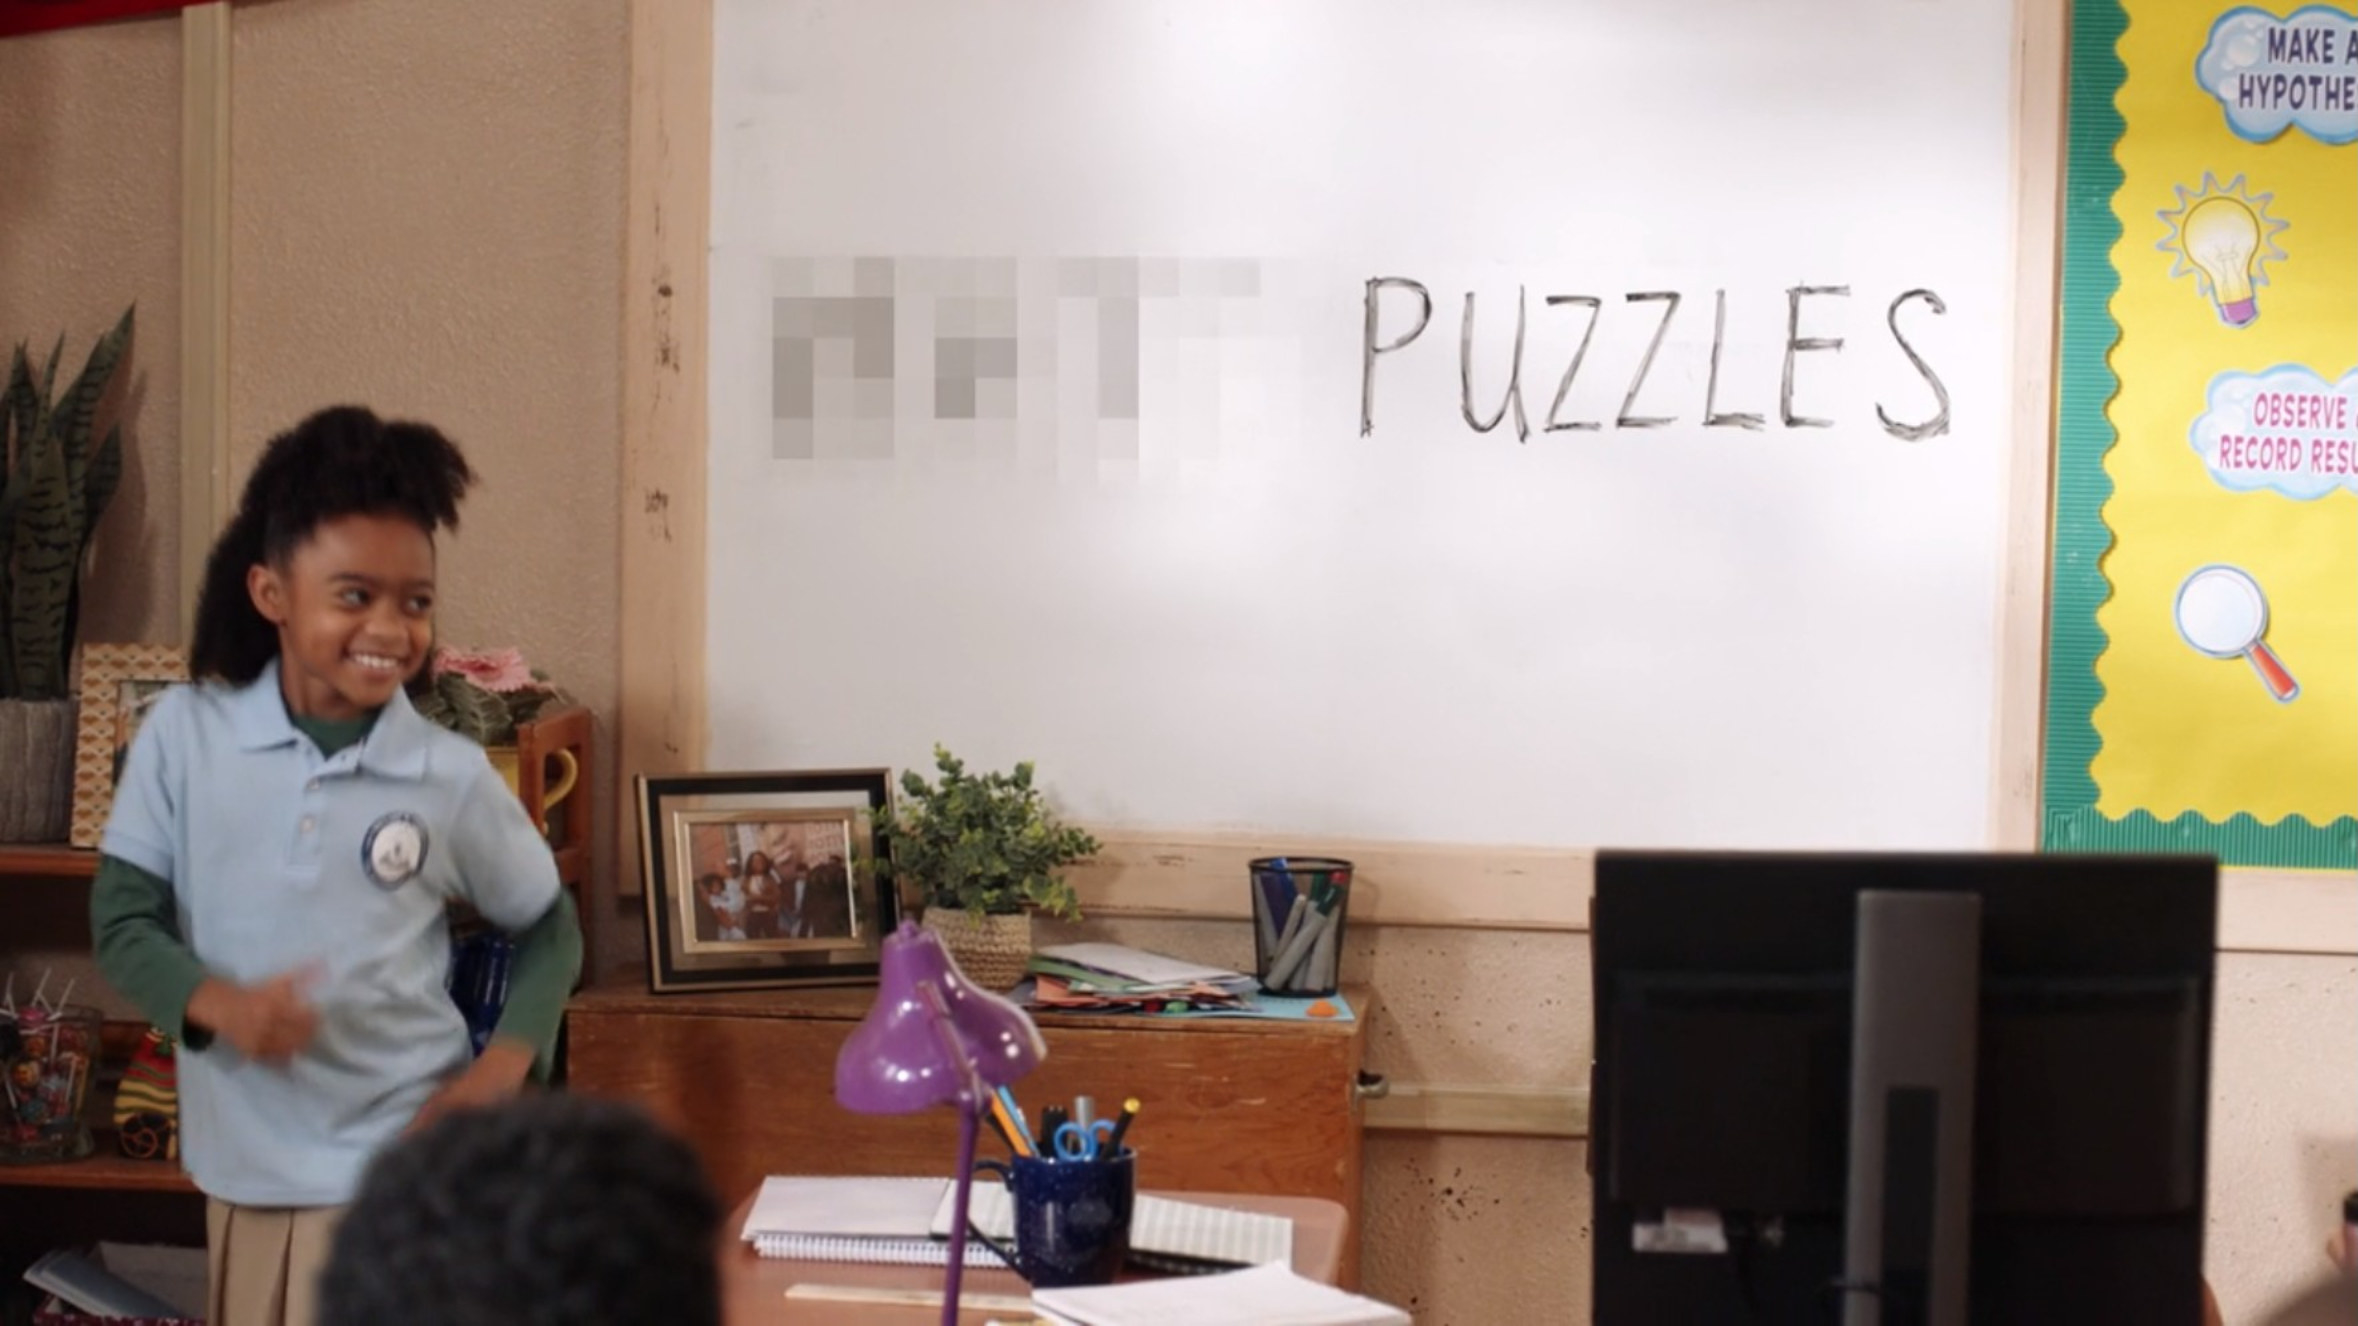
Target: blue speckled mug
1072,1218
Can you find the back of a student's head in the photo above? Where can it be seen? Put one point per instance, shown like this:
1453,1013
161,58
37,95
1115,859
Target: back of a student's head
549,1210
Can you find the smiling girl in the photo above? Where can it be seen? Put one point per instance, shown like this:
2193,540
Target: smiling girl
284,845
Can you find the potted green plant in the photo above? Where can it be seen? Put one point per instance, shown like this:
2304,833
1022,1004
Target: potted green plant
984,852
55,482
485,695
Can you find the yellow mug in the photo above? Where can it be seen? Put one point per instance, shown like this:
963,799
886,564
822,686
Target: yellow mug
508,760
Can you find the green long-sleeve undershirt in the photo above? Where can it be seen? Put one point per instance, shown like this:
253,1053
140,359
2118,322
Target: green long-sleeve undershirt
134,922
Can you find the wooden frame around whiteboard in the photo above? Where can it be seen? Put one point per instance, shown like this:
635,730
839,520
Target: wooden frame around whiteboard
660,727
1182,873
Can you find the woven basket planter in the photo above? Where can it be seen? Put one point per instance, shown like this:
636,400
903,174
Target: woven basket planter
993,951
36,770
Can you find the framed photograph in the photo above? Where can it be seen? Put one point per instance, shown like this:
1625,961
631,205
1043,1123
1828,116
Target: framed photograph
763,879
119,685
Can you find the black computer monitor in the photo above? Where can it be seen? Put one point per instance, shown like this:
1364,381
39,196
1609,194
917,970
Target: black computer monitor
1735,995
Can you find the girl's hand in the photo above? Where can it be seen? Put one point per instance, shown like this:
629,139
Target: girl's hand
268,1023
496,1074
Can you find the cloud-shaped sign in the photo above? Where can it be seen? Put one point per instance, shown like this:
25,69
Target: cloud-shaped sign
2270,72
2286,429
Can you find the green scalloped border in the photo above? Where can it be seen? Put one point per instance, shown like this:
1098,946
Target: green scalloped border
2083,434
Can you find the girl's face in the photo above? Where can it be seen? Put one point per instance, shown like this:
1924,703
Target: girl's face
757,864
354,607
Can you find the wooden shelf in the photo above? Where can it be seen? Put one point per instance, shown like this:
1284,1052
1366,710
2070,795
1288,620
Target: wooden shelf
47,861
108,1169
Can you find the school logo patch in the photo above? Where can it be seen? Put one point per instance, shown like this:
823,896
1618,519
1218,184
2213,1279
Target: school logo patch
394,850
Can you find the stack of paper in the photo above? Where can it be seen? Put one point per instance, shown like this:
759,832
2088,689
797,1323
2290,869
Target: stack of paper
1263,1296
1115,978
85,1284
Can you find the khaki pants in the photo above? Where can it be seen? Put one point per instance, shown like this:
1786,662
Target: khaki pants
263,1263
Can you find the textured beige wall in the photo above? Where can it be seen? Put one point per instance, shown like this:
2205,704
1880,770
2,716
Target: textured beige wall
2284,1123
90,223
426,218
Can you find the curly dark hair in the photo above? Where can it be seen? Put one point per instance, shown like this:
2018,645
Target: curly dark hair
551,1209
342,461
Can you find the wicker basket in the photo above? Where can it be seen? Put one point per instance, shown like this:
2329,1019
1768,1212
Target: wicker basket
36,770
993,951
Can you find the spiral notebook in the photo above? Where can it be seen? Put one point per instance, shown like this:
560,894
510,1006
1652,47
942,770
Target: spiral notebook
796,1218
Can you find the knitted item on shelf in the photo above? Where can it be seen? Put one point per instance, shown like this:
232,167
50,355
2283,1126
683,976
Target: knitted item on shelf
147,1104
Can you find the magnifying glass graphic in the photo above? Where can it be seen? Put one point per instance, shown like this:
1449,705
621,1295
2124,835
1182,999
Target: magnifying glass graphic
2222,613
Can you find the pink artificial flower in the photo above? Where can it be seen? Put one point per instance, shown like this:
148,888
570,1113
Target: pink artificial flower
500,671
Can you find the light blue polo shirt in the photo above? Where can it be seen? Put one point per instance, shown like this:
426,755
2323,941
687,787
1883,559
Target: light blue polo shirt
281,858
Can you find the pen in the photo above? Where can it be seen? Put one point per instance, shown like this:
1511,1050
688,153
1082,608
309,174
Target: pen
1299,938
1084,1112
1014,1118
1113,1140
1276,885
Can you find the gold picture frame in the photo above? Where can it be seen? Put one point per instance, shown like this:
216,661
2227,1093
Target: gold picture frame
119,682
758,880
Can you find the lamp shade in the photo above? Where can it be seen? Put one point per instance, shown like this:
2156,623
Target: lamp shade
904,1057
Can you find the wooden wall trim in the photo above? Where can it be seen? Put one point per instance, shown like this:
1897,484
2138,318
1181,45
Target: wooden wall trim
1407,1107
660,725
2041,46
1182,876
205,498
1146,874
2289,911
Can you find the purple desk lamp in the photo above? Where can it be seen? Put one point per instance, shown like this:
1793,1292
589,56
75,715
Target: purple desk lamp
933,1038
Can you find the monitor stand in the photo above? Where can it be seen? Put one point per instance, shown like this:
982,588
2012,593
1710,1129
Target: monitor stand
1914,1033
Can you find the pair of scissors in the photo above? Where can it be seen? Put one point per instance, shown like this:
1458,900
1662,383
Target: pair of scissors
1082,1141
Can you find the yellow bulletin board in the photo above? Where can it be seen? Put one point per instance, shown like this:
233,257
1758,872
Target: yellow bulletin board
2203,666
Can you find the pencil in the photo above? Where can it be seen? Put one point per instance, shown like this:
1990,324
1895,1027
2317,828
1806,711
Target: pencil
1010,1119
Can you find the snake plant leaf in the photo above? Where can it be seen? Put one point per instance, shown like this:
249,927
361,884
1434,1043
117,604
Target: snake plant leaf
98,487
42,555
59,480
78,413
19,411
17,402
49,374
16,423
99,482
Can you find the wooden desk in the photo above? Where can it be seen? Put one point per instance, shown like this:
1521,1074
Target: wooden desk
755,1287
1231,1106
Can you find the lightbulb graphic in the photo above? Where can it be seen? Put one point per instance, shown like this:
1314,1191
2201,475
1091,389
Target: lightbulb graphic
2225,237
2221,236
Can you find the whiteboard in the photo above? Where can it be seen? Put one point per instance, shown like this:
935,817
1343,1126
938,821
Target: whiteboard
1044,422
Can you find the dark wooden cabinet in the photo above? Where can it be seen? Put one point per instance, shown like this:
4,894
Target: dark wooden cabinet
1229,1105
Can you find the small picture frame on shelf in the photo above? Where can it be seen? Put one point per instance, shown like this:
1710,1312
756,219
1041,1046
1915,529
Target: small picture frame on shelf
120,683
762,880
